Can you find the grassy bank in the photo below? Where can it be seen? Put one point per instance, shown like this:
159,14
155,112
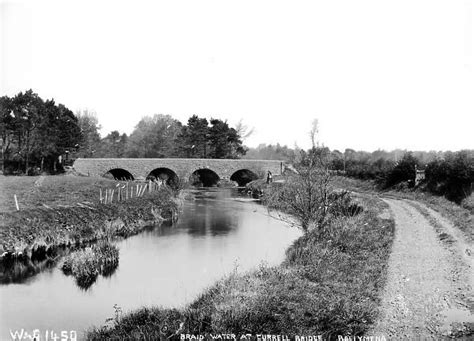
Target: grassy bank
53,190
329,284
462,215
36,231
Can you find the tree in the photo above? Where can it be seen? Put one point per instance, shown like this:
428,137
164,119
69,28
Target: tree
35,132
405,170
452,176
7,127
90,137
192,141
113,145
27,108
305,196
314,132
243,130
154,137
225,142
270,152
58,133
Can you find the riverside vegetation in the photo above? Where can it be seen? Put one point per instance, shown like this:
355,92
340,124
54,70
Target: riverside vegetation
85,265
329,283
36,236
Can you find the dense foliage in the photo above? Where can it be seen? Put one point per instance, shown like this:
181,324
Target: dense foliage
162,136
35,132
452,176
448,174
271,152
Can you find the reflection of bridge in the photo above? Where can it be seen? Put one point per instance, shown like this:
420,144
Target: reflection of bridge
239,170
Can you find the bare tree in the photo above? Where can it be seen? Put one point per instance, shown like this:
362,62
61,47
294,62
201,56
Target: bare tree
243,130
314,132
304,197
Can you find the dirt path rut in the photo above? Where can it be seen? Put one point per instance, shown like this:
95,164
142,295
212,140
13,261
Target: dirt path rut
429,290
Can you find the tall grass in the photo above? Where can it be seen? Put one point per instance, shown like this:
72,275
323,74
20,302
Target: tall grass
85,265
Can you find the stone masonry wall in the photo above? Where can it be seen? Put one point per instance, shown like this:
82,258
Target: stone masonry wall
140,168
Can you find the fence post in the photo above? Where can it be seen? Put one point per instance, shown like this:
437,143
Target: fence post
16,203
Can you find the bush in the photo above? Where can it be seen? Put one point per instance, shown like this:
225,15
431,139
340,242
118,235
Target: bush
405,170
451,177
86,265
107,257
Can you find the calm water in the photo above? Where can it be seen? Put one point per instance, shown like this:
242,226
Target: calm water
168,266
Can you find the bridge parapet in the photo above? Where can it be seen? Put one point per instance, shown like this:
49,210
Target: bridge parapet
141,168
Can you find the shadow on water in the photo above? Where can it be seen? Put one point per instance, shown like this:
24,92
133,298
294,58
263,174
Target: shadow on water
20,269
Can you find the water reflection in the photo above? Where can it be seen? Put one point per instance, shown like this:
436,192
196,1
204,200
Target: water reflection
166,265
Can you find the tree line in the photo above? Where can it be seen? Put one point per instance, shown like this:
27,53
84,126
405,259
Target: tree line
162,136
37,134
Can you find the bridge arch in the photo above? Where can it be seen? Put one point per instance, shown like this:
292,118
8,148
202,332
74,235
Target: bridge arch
243,176
119,174
167,175
204,177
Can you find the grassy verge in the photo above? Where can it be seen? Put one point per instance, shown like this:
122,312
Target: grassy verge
462,216
330,284
36,231
53,190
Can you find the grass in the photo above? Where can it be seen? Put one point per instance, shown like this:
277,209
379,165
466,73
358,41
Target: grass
462,216
85,265
330,284
53,190
36,229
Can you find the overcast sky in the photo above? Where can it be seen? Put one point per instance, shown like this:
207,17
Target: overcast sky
377,74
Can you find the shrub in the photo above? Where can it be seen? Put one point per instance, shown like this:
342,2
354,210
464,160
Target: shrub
85,267
107,256
304,196
405,170
451,177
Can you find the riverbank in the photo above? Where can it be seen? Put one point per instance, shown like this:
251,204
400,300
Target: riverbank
329,284
38,231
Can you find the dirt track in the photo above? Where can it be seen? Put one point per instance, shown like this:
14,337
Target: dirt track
429,293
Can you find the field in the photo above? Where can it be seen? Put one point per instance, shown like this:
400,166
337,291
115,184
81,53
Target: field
65,211
53,191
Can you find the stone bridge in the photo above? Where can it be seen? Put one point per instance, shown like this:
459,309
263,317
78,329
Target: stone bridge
209,170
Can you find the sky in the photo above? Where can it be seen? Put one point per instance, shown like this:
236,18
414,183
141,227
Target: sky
376,74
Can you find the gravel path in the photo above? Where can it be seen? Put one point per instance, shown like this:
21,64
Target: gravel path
429,288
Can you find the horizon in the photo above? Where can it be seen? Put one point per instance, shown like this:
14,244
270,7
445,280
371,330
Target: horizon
372,83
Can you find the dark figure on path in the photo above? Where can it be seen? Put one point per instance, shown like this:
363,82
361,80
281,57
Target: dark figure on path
269,177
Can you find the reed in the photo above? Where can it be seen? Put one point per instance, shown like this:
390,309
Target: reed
85,265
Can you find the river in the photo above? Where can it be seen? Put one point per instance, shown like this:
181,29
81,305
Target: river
217,234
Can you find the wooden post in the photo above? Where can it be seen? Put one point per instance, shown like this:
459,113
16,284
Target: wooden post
16,203
112,196
100,195
105,199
